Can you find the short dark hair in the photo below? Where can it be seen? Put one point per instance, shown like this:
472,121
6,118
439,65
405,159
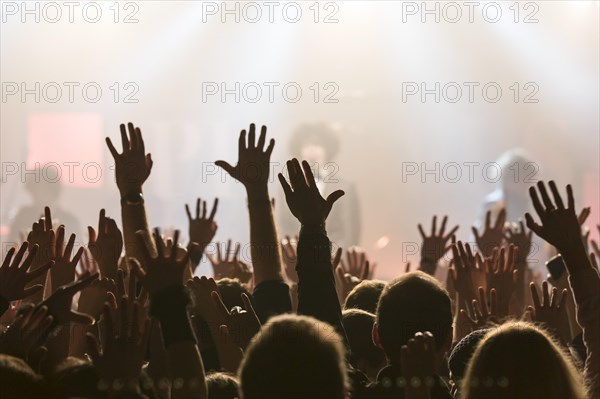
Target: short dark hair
294,357
359,327
222,386
231,290
365,296
322,134
414,302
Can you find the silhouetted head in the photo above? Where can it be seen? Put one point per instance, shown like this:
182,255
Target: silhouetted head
17,379
414,302
222,386
294,357
364,355
317,143
519,360
365,295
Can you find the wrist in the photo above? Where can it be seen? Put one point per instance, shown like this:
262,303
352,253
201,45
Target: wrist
257,192
132,197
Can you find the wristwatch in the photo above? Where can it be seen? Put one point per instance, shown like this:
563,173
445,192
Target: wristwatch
132,199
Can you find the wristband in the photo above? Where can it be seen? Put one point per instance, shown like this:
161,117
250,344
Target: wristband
132,199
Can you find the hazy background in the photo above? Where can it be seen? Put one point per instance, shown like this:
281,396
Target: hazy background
177,48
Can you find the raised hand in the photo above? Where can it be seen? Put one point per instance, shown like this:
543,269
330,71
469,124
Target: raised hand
560,226
30,328
91,300
242,324
551,310
356,263
229,266
63,271
106,246
435,245
163,271
502,275
417,362
124,346
290,257
201,229
15,275
464,267
303,197
518,235
44,236
59,303
252,168
492,235
133,165
481,314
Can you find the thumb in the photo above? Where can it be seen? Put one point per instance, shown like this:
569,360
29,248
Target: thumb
226,166
334,196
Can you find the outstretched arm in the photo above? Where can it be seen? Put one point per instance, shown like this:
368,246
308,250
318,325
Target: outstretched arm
163,278
252,170
132,168
560,227
317,296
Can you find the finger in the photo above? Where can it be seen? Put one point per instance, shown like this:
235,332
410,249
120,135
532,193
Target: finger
252,136
493,301
60,240
563,298
219,304
310,178
433,225
488,222
236,251
214,209
451,233
8,257
102,222
545,294
198,204
570,198
537,205
557,199
532,225
247,304
226,167
112,149
443,227
333,197
284,184
476,234
228,250
69,247
269,149
175,245
365,273
500,219
91,235
553,297
545,197
160,245
187,211
17,260
421,231
132,137
261,138
534,296
77,286
39,272
47,218
140,141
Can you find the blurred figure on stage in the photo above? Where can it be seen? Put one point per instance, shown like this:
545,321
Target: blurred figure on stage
319,144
